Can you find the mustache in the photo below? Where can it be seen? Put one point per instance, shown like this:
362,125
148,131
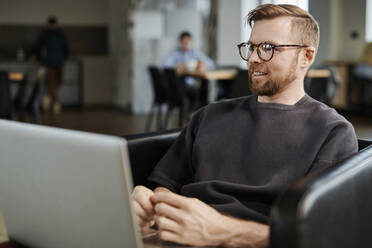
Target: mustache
257,67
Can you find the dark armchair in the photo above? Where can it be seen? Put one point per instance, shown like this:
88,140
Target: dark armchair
331,208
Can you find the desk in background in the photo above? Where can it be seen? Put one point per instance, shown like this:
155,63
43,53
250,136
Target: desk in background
209,85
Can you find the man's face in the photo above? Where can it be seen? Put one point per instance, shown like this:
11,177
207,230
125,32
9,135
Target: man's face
185,43
272,77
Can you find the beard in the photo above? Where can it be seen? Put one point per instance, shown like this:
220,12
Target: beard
271,86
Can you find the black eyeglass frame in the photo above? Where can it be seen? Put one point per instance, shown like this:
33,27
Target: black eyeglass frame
265,43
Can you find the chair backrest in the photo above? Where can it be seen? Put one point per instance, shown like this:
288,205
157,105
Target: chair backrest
158,84
240,85
323,89
5,96
146,150
317,88
176,86
330,208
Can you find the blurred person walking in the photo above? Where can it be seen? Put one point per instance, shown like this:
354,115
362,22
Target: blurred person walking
52,51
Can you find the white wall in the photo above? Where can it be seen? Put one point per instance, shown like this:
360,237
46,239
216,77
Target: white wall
232,29
337,19
175,24
120,52
321,10
354,13
69,12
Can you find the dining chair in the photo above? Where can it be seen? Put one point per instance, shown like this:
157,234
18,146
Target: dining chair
240,84
160,90
6,106
177,97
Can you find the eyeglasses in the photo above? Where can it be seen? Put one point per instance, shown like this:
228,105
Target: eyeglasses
265,51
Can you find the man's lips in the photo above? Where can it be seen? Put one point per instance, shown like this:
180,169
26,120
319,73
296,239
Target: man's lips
258,73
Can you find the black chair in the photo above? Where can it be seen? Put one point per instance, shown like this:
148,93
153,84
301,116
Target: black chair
177,97
240,85
330,208
359,84
323,89
359,80
27,99
146,150
6,105
32,104
160,89
225,86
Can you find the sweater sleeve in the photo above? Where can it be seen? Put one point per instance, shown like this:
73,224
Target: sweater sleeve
175,169
340,144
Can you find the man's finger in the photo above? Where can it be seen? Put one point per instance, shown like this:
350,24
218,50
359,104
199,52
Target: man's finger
164,209
170,198
169,236
165,223
139,211
144,200
161,189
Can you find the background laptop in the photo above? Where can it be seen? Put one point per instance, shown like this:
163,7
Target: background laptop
62,188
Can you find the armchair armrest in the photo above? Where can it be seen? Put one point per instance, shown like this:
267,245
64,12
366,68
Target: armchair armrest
330,208
146,150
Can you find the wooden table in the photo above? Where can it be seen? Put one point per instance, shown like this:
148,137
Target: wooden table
215,74
208,86
318,73
16,76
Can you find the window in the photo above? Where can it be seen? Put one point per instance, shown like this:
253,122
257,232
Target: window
304,4
369,21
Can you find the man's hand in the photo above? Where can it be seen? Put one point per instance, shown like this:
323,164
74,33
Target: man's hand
187,220
190,221
143,207
181,69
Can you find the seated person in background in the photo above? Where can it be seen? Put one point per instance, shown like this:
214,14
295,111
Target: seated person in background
218,181
185,59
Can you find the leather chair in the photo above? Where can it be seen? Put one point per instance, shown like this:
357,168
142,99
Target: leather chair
146,150
6,106
160,90
330,208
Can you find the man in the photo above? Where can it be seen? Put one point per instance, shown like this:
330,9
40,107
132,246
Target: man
185,59
235,157
52,51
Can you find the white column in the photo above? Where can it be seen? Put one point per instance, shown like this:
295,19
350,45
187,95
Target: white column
232,29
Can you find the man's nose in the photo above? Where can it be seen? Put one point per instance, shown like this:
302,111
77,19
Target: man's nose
254,58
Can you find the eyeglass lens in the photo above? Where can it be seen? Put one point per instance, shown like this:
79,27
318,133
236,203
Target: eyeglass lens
265,51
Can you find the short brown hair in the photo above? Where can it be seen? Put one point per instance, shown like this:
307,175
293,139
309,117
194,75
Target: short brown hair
303,24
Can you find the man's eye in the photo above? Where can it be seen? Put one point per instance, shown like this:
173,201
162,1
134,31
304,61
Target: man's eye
266,47
250,48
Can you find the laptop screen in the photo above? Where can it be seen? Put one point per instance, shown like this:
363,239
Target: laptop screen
63,188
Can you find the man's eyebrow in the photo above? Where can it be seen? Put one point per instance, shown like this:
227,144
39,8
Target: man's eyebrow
266,41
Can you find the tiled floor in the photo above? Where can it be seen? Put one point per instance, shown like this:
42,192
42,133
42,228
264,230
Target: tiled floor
112,121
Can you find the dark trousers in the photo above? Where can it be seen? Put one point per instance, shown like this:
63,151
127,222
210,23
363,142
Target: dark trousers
54,77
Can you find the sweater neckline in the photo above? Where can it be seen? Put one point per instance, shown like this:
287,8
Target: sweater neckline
272,105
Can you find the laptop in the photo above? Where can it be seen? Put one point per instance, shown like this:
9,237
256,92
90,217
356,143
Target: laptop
61,188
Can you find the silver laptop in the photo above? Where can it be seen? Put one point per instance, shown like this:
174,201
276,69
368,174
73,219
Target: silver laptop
63,188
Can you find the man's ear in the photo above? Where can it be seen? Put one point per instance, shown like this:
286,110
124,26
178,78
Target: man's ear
308,56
